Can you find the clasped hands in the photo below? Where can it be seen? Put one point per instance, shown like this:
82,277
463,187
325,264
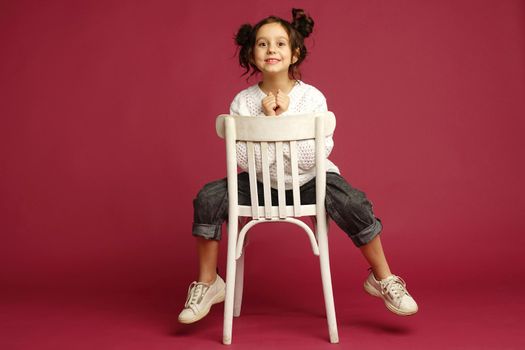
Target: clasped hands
274,105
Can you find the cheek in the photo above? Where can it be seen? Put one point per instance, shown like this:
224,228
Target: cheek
258,54
255,55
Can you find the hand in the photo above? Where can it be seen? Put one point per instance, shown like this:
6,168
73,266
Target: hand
269,105
274,105
283,101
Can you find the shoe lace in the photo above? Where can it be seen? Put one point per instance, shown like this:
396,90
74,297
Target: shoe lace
196,292
395,287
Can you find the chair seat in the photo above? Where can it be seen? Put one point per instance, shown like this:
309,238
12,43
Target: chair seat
306,210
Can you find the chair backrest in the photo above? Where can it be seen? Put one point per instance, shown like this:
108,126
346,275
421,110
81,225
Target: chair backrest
259,132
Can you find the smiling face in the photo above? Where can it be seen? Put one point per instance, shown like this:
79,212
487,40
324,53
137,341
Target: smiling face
272,53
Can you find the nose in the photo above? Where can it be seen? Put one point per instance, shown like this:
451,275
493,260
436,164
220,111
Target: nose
271,48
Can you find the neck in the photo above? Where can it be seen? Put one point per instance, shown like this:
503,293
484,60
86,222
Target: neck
275,83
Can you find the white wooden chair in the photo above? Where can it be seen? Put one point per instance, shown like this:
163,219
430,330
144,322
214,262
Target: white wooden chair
281,130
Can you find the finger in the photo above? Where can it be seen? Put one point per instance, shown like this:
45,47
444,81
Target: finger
268,99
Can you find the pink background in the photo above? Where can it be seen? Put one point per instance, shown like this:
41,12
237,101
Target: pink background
107,132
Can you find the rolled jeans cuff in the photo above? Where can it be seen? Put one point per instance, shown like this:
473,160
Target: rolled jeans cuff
207,231
366,235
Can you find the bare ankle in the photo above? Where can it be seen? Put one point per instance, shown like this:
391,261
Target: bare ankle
380,274
208,278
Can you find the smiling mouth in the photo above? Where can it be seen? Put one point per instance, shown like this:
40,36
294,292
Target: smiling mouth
272,60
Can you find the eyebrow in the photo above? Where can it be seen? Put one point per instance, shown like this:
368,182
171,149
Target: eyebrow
264,38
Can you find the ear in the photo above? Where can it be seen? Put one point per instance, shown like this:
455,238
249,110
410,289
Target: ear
296,56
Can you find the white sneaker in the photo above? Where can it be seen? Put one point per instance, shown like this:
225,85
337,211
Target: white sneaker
394,293
201,296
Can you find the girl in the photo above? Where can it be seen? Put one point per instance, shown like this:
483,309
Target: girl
274,48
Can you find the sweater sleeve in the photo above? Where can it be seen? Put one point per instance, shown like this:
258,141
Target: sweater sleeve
242,153
306,148
235,105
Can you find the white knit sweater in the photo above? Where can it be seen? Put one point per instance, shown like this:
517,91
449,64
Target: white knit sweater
304,98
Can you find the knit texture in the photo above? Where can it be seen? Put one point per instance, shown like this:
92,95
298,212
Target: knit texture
304,99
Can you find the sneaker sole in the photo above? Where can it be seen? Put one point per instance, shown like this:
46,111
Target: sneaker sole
372,291
219,298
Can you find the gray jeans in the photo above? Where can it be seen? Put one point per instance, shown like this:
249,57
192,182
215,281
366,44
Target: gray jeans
347,206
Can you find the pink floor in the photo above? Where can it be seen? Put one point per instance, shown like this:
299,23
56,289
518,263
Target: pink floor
486,318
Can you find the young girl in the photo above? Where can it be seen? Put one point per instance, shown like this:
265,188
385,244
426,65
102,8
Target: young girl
274,48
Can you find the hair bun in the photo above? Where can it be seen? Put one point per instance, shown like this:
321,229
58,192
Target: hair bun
243,35
303,23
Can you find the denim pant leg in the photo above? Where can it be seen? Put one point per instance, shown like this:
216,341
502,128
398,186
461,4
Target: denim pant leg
210,207
351,210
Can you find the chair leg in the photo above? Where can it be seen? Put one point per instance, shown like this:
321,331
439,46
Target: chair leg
322,238
239,273
239,282
230,282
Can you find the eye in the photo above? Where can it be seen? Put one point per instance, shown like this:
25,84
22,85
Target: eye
261,44
282,43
